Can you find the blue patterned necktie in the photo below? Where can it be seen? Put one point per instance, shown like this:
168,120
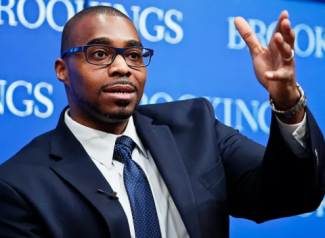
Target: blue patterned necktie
143,207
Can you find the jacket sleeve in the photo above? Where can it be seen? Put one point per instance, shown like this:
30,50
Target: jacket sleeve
17,218
272,182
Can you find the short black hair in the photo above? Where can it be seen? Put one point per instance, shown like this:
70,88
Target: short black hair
68,33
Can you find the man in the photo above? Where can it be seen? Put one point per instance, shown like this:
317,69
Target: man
110,169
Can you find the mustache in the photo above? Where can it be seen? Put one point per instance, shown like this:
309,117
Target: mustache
121,81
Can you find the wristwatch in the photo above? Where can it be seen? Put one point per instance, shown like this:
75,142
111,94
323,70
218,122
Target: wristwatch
292,111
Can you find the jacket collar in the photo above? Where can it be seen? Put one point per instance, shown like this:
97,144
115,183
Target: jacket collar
100,145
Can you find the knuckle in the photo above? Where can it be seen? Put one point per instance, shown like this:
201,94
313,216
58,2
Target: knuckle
256,49
247,35
287,48
290,74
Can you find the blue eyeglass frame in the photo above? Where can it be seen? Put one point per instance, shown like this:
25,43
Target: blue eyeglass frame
117,51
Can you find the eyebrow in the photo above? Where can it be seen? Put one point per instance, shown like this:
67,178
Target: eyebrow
133,43
101,40
107,41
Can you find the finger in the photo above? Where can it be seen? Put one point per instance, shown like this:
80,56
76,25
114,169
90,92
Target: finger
283,74
248,35
283,15
283,47
288,33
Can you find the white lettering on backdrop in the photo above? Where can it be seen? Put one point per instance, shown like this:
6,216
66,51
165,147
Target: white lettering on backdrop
31,105
167,28
309,40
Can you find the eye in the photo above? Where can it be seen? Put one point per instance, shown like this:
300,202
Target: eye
134,56
99,54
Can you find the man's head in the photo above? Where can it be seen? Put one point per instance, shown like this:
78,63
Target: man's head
100,93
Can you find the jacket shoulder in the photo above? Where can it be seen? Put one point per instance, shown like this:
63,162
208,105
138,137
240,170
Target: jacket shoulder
31,155
179,111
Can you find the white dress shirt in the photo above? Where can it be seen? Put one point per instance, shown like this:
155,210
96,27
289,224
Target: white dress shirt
295,135
100,147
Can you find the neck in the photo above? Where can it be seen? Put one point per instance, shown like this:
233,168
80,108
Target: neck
116,128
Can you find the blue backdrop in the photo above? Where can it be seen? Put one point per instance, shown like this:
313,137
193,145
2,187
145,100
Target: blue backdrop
198,52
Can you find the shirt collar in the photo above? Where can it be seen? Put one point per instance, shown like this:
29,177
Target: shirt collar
98,144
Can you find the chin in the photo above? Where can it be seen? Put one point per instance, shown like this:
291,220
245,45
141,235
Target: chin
116,117
121,112
113,111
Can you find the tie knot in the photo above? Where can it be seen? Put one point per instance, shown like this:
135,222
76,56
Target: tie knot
123,149
126,141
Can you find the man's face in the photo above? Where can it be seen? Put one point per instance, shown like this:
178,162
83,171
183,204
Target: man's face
109,93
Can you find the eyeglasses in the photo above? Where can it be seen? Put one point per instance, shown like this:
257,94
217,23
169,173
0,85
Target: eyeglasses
104,55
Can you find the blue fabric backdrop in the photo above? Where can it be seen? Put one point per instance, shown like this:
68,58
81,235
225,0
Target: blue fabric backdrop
198,53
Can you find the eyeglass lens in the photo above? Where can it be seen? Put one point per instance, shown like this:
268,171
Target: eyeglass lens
104,55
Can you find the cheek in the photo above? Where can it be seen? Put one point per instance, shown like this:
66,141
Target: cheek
141,77
85,81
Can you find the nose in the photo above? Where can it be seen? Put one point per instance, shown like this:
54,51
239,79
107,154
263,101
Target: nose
119,67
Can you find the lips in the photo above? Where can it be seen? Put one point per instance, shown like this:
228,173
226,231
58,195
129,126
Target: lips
120,92
123,89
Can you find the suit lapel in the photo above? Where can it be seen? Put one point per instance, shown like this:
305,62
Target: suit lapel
162,146
77,169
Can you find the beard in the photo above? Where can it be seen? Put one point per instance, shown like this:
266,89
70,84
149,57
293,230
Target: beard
121,115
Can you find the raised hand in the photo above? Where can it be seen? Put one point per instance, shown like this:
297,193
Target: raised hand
274,65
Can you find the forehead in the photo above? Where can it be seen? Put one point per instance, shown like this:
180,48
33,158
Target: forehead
117,29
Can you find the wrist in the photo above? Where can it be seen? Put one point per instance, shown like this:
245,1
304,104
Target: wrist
295,119
289,103
292,109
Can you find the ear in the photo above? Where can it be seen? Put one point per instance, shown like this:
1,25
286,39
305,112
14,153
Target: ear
61,70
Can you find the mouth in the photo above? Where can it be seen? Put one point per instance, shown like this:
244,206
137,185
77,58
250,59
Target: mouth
120,92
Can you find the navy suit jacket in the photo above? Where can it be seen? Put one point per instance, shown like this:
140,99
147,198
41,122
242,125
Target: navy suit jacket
49,188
